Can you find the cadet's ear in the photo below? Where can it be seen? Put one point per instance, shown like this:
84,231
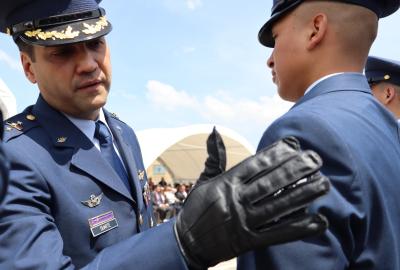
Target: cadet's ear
389,94
27,66
318,26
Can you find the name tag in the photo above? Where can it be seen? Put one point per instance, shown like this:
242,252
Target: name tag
102,223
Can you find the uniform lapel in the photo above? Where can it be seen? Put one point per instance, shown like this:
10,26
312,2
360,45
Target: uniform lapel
86,157
127,156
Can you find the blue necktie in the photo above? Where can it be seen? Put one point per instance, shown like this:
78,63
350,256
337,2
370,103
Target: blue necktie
108,152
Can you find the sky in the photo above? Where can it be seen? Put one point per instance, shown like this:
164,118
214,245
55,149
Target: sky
185,62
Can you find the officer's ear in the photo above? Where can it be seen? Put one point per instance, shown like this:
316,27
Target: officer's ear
317,30
27,62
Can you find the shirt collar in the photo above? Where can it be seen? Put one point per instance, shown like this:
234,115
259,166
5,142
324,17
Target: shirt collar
320,80
88,127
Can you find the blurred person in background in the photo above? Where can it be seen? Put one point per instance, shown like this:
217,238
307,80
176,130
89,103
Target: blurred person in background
384,78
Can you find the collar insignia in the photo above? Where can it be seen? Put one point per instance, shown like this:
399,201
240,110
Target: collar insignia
17,125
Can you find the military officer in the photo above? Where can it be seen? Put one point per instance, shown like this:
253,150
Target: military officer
384,78
319,52
78,195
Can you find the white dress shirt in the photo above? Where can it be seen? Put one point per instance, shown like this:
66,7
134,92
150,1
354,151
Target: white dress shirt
88,127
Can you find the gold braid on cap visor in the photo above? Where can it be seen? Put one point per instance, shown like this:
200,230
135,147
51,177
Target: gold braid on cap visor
69,33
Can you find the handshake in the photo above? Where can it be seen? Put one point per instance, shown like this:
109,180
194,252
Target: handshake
261,201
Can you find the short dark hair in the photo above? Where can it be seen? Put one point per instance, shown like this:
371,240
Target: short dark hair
26,48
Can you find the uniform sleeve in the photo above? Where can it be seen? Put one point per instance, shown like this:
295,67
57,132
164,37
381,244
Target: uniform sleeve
4,166
30,239
342,206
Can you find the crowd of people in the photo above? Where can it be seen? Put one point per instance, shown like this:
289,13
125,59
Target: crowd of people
167,199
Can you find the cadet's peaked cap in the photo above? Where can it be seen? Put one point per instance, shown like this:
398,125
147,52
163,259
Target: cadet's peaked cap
381,69
51,23
382,8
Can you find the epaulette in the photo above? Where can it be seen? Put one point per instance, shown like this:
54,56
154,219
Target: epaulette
19,124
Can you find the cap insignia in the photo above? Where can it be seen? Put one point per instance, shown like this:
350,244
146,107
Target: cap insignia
386,77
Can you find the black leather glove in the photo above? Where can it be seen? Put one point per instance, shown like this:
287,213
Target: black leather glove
216,161
257,203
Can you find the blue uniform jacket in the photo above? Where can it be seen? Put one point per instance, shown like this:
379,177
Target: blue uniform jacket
358,140
3,166
54,167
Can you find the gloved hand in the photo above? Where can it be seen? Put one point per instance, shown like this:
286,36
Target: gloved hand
257,203
216,160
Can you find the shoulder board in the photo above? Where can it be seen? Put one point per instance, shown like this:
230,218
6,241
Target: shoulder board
18,125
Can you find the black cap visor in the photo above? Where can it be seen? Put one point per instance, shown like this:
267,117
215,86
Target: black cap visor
66,33
265,33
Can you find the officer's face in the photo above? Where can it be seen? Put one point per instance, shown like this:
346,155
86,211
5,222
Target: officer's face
75,79
288,58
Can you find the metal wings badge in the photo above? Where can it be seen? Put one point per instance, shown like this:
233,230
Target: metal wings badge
93,201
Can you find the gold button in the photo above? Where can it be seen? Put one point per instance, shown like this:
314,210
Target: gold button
31,117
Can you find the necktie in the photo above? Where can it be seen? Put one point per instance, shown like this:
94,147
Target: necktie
108,152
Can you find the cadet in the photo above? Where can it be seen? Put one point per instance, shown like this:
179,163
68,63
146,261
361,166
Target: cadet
384,78
78,195
319,52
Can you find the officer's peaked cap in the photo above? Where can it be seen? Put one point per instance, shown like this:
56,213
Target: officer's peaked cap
381,69
382,8
51,23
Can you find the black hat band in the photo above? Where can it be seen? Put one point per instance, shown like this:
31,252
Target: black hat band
55,21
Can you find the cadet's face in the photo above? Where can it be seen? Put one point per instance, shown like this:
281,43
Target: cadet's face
75,79
286,59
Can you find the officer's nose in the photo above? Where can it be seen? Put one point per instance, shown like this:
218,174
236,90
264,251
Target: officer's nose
87,62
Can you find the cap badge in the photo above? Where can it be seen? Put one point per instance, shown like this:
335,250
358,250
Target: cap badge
386,77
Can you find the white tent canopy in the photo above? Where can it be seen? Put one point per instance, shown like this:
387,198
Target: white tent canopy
182,151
